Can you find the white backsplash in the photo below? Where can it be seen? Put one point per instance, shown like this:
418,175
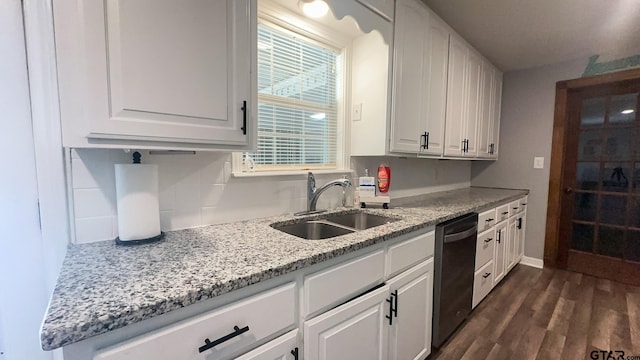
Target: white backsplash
196,190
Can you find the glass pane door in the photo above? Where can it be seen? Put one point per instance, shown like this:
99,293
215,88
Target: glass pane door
606,200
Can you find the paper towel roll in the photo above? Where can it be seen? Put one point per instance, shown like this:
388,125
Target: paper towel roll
138,206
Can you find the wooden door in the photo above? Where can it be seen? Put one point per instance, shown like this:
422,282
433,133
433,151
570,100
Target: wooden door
600,221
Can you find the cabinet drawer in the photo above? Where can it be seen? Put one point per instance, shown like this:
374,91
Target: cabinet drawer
486,220
184,339
410,252
502,212
485,247
280,348
514,207
482,283
523,204
338,283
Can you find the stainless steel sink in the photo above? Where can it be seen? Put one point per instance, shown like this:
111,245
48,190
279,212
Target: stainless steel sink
313,230
359,221
333,225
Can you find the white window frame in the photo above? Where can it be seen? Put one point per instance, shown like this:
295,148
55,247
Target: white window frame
271,13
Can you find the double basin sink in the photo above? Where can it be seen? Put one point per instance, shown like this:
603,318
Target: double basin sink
333,225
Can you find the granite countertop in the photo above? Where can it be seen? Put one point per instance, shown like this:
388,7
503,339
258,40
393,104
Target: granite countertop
103,286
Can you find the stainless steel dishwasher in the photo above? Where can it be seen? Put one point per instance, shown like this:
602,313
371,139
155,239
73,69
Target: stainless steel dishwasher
455,254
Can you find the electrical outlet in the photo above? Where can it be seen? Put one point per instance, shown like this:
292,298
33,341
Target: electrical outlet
356,112
538,162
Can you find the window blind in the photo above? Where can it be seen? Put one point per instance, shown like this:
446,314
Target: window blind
297,101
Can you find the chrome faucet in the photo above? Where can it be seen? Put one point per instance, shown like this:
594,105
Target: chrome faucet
313,194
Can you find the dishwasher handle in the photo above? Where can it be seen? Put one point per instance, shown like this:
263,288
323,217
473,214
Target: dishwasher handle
460,235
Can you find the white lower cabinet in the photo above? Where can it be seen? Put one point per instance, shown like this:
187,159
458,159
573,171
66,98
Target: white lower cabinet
286,347
355,330
410,333
482,283
220,334
377,305
499,257
393,321
512,243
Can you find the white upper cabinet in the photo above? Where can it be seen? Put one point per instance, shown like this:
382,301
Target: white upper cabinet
152,74
486,113
471,103
455,134
495,116
421,43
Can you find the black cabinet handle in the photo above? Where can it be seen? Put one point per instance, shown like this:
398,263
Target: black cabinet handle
208,344
393,310
505,212
294,352
425,136
519,223
244,117
489,220
499,236
486,275
488,240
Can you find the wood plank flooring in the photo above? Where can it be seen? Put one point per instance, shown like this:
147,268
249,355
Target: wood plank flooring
549,314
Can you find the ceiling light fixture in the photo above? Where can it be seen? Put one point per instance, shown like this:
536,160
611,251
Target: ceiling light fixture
314,8
627,111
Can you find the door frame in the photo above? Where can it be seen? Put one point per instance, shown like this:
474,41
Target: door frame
555,251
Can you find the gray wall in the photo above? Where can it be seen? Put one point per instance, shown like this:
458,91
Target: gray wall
525,132
528,100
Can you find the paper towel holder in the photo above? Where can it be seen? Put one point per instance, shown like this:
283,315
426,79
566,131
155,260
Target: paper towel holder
136,157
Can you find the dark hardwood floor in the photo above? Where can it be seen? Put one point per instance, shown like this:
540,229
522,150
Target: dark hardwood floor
549,314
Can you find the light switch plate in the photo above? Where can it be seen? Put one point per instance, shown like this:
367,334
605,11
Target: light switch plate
356,112
538,162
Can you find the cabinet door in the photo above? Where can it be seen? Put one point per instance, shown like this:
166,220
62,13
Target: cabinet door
357,329
435,86
499,257
282,348
456,97
410,39
410,334
495,116
485,120
473,83
522,229
148,71
512,242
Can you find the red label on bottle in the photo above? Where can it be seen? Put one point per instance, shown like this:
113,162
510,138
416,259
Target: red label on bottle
384,178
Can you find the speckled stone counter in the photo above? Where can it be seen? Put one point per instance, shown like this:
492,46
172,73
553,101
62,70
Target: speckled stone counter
103,287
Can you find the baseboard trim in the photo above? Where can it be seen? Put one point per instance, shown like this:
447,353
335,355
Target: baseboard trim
533,262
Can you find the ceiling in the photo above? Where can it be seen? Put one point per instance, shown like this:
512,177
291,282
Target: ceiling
520,34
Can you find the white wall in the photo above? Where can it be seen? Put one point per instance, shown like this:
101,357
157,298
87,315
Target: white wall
23,289
526,127
199,189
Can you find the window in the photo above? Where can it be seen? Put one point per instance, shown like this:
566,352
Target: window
298,80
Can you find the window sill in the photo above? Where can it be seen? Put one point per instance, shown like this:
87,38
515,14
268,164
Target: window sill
240,174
